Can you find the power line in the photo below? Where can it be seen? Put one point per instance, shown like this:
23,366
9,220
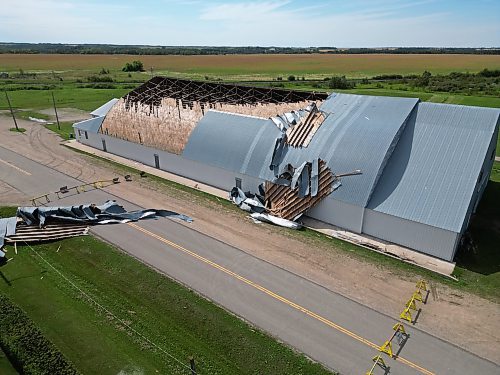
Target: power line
127,325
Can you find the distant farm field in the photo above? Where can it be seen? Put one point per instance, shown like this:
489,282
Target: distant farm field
260,65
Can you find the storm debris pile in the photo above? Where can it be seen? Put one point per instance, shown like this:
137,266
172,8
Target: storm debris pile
37,224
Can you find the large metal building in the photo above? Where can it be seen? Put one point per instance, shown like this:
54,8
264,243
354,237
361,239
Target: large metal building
424,165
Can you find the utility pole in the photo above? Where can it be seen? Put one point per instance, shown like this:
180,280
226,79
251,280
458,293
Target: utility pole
192,365
55,110
11,111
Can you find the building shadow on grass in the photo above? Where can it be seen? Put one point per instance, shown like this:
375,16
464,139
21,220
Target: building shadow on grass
480,250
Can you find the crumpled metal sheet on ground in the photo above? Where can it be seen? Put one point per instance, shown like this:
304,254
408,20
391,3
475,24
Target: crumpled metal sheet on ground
258,217
7,228
49,223
254,203
247,201
109,212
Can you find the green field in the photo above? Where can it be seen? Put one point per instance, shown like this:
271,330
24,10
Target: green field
97,338
264,66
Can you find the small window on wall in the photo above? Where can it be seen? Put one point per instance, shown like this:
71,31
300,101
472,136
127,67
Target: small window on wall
238,182
86,135
79,133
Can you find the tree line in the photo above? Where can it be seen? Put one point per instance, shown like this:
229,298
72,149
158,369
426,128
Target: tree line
110,49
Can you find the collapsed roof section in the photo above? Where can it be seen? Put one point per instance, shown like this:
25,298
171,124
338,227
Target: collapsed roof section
297,193
163,112
188,92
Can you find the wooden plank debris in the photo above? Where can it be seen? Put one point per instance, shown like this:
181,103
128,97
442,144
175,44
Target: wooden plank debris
283,201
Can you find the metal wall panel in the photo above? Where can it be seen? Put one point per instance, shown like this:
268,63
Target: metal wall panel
429,240
196,171
236,143
338,213
359,133
91,125
433,172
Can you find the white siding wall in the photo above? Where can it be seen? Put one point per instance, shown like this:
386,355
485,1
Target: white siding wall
173,163
430,240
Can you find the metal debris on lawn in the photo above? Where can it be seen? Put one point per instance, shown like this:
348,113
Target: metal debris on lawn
36,224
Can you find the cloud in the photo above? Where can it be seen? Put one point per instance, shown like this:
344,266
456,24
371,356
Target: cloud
241,11
354,23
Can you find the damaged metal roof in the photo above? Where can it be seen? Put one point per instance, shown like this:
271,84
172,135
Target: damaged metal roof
432,173
359,133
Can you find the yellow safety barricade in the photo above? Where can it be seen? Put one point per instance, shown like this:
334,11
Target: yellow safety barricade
422,285
406,315
399,327
386,348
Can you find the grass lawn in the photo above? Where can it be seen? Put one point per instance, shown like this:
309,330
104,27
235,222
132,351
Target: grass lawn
5,366
68,96
65,130
19,130
25,115
174,318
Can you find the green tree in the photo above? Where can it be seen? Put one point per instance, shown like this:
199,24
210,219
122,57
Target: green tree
340,83
135,66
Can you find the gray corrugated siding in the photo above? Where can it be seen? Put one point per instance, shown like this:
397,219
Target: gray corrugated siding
429,240
217,177
433,171
236,143
341,214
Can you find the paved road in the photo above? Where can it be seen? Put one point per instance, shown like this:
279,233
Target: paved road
328,327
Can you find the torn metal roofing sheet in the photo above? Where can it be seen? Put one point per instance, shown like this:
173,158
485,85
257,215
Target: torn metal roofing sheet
104,109
7,228
49,223
91,125
109,212
433,171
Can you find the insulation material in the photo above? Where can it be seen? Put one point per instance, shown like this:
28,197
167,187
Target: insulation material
163,112
169,125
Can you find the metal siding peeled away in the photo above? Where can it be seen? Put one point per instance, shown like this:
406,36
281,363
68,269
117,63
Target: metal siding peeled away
433,171
358,134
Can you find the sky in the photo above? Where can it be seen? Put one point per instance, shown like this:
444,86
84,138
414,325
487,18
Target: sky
295,23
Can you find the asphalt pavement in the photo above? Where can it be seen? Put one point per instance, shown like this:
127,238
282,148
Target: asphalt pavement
329,328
